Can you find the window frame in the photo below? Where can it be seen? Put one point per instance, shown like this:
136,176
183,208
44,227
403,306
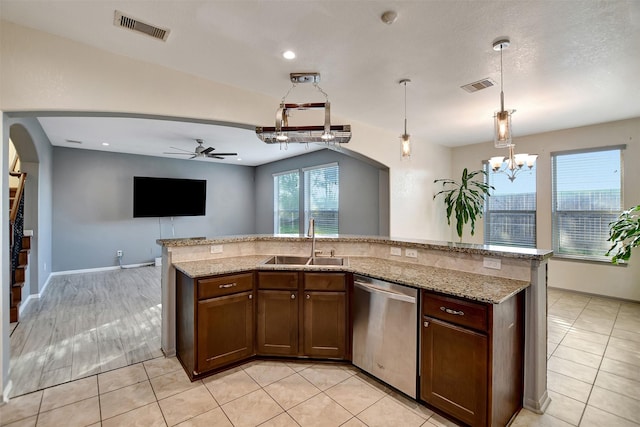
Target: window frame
276,200
555,213
306,195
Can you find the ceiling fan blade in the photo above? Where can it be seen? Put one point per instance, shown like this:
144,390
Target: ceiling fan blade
193,157
207,150
180,149
222,154
215,157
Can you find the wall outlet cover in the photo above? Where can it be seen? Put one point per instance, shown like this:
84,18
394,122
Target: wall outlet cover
396,251
411,253
216,249
494,263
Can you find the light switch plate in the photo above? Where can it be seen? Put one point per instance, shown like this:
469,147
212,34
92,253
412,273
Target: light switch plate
494,263
411,253
216,249
396,251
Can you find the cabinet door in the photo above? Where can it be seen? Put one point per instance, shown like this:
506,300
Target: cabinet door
325,324
225,330
454,370
277,322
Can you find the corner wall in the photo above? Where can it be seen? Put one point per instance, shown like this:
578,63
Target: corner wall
596,278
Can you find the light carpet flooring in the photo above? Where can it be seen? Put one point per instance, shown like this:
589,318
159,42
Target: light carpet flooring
593,380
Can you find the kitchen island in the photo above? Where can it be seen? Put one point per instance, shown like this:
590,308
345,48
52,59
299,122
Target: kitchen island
490,275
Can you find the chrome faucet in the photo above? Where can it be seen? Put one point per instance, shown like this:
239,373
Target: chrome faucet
312,233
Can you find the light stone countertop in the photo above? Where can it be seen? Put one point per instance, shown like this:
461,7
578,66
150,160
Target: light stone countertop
489,289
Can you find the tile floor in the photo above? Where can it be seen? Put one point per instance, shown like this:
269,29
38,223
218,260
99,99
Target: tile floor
593,380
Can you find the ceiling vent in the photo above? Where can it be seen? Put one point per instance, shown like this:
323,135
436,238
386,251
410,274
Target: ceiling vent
73,141
479,85
121,20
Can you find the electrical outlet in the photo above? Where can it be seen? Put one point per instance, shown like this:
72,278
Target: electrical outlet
396,251
411,253
494,263
216,249
119,253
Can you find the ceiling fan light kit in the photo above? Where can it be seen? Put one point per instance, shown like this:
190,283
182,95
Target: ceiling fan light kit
282,133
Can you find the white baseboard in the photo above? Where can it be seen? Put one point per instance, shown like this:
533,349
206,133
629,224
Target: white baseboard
30,297
93,270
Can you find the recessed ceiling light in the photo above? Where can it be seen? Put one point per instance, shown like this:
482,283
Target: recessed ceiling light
106,144
239,159
288,54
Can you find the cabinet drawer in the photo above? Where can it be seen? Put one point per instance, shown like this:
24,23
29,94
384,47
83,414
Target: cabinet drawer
325,281
455,310
278,280
224,285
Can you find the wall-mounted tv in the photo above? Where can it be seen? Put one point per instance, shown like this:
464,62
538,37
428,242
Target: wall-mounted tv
158,197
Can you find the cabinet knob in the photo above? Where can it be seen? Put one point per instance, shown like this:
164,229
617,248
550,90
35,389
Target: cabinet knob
250,296
308,296
293,296
426,324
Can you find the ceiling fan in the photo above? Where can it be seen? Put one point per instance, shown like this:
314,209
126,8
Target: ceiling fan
200,151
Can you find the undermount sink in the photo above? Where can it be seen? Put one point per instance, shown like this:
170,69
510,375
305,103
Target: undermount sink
287,260
305,260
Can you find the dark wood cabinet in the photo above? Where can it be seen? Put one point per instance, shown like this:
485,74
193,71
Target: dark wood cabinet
302,314
215,321
471,358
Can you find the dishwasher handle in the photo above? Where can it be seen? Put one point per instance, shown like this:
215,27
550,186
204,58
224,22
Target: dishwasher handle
389,294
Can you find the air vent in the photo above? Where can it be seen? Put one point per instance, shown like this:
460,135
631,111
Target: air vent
73,141
121,20
479,85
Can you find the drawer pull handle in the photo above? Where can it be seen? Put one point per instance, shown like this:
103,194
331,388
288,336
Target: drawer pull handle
228,285
452,311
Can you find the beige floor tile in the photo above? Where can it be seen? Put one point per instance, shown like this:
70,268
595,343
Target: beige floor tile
188,404
146,416
299,365
594,417
161,366
65,394
172,383
354,395
20,407
230,385
122,377
440,421
572,369
25,422
387,412
623,355
631,324
82,413
214,417
619,384
568,386
325,376
565,408
626,335
292,390
625,343
266,373
125,399
355,422
320,411
263,408
581,344
615,403
593,337
594,324
282,420
527,418
622,369
578,356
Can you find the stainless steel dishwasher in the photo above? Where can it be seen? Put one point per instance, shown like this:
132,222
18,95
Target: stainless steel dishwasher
385,332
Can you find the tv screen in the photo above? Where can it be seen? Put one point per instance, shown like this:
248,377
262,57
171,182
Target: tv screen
156,197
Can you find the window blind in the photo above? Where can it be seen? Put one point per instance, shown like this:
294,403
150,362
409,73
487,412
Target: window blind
286,203
321,198
586,198
510,211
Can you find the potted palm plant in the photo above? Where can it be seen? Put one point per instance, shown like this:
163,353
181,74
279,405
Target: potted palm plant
624,234
464,198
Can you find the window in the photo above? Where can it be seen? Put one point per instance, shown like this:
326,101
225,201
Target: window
321,191
586,197
286,203
510,211
320,195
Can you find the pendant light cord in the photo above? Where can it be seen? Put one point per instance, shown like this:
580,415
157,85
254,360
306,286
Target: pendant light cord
405,108
501,82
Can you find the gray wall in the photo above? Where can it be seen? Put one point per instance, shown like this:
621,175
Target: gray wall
93,206
363,210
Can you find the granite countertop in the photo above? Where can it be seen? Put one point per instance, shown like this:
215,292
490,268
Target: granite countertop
489,289
501,251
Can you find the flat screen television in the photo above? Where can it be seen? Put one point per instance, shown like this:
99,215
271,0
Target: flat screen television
160,197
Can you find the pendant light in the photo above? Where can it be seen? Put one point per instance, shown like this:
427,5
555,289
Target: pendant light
502,118
405,138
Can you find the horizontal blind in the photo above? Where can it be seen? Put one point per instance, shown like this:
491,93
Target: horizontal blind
586,198
510,211
286,203
321,198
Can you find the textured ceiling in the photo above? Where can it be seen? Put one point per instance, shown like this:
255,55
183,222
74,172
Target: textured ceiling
570,63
